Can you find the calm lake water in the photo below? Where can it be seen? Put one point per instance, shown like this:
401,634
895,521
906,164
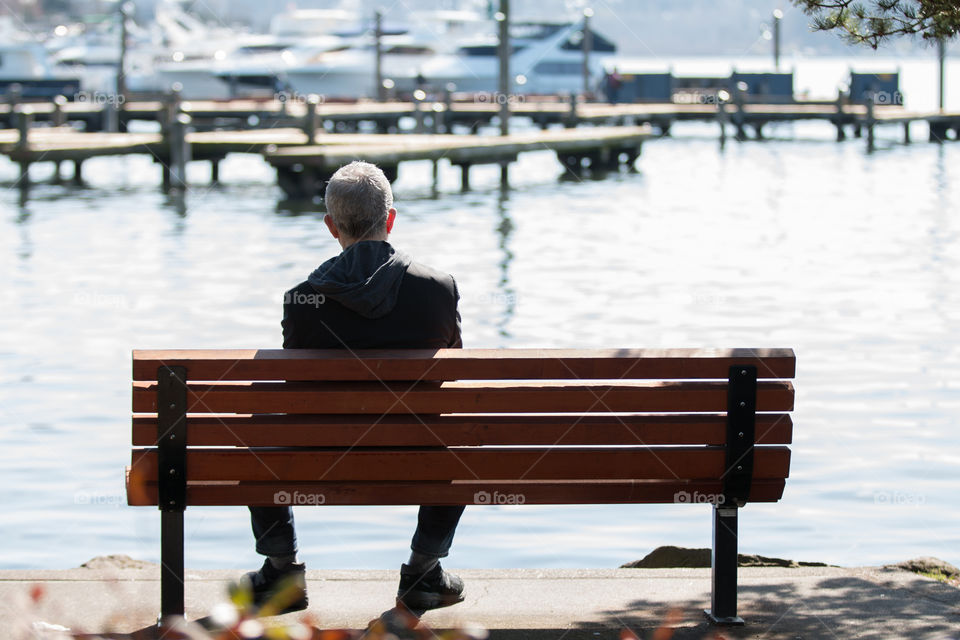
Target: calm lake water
851,259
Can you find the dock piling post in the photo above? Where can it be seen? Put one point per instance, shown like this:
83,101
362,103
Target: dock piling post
59,117
215,171
126,10
381,90
14,94
109,117
586,44
24,121
722,117
418,97
841,132
310,122
436,115
869,124
78,172
572,113
173,124
739,117
13,97
504,51
906,132
179,151
777,17
448,107
941,63
465,177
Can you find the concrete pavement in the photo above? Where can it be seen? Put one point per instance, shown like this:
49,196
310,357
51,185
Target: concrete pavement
588,604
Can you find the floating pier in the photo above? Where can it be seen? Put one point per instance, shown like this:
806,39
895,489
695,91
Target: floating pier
303,170
304,162
444,115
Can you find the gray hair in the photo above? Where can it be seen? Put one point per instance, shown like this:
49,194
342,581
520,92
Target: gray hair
358,196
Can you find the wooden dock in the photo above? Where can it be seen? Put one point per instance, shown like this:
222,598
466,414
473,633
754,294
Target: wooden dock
303,170
445,115
305,140
304,163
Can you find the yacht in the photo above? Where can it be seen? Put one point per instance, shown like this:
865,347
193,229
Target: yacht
247,64
546,58
348,71
346,68
24,62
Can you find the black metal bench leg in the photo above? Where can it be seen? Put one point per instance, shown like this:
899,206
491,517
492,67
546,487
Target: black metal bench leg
171,565
172,485
723,609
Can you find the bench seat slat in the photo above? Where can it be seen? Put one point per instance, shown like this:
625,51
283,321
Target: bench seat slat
461,397
464,364
414,493
465,463
459,430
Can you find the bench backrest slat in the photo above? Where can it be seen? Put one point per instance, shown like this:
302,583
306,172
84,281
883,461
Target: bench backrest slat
441,493
468,463
460,430
465,364
461,397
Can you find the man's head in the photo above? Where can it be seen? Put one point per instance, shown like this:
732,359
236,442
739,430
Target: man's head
359,204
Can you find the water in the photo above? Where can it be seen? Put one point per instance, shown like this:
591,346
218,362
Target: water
851,259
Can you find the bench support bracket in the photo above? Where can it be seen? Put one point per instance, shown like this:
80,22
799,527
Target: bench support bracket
741,435
737,478
172,484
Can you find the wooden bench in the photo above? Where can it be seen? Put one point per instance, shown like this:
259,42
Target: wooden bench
461,426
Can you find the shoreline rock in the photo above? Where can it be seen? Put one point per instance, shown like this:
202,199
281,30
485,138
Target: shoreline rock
116,561
669,557
930,567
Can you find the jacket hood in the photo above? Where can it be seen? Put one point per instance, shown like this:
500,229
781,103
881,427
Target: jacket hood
364,278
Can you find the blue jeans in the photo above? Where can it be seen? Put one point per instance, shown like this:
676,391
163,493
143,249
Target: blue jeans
274,531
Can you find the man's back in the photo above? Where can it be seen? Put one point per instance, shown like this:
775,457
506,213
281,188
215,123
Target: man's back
372,297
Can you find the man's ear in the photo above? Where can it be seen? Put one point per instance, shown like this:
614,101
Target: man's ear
332,226
391,217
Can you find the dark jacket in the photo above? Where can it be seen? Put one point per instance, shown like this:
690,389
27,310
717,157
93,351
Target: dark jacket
372,297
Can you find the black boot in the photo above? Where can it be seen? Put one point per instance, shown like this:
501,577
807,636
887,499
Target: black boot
283,590
433,589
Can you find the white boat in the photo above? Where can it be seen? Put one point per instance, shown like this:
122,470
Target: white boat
346,69
261,72
547,58
245,64
90,50
349,71
24,62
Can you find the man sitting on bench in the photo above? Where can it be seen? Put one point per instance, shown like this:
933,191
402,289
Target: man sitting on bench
369,296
